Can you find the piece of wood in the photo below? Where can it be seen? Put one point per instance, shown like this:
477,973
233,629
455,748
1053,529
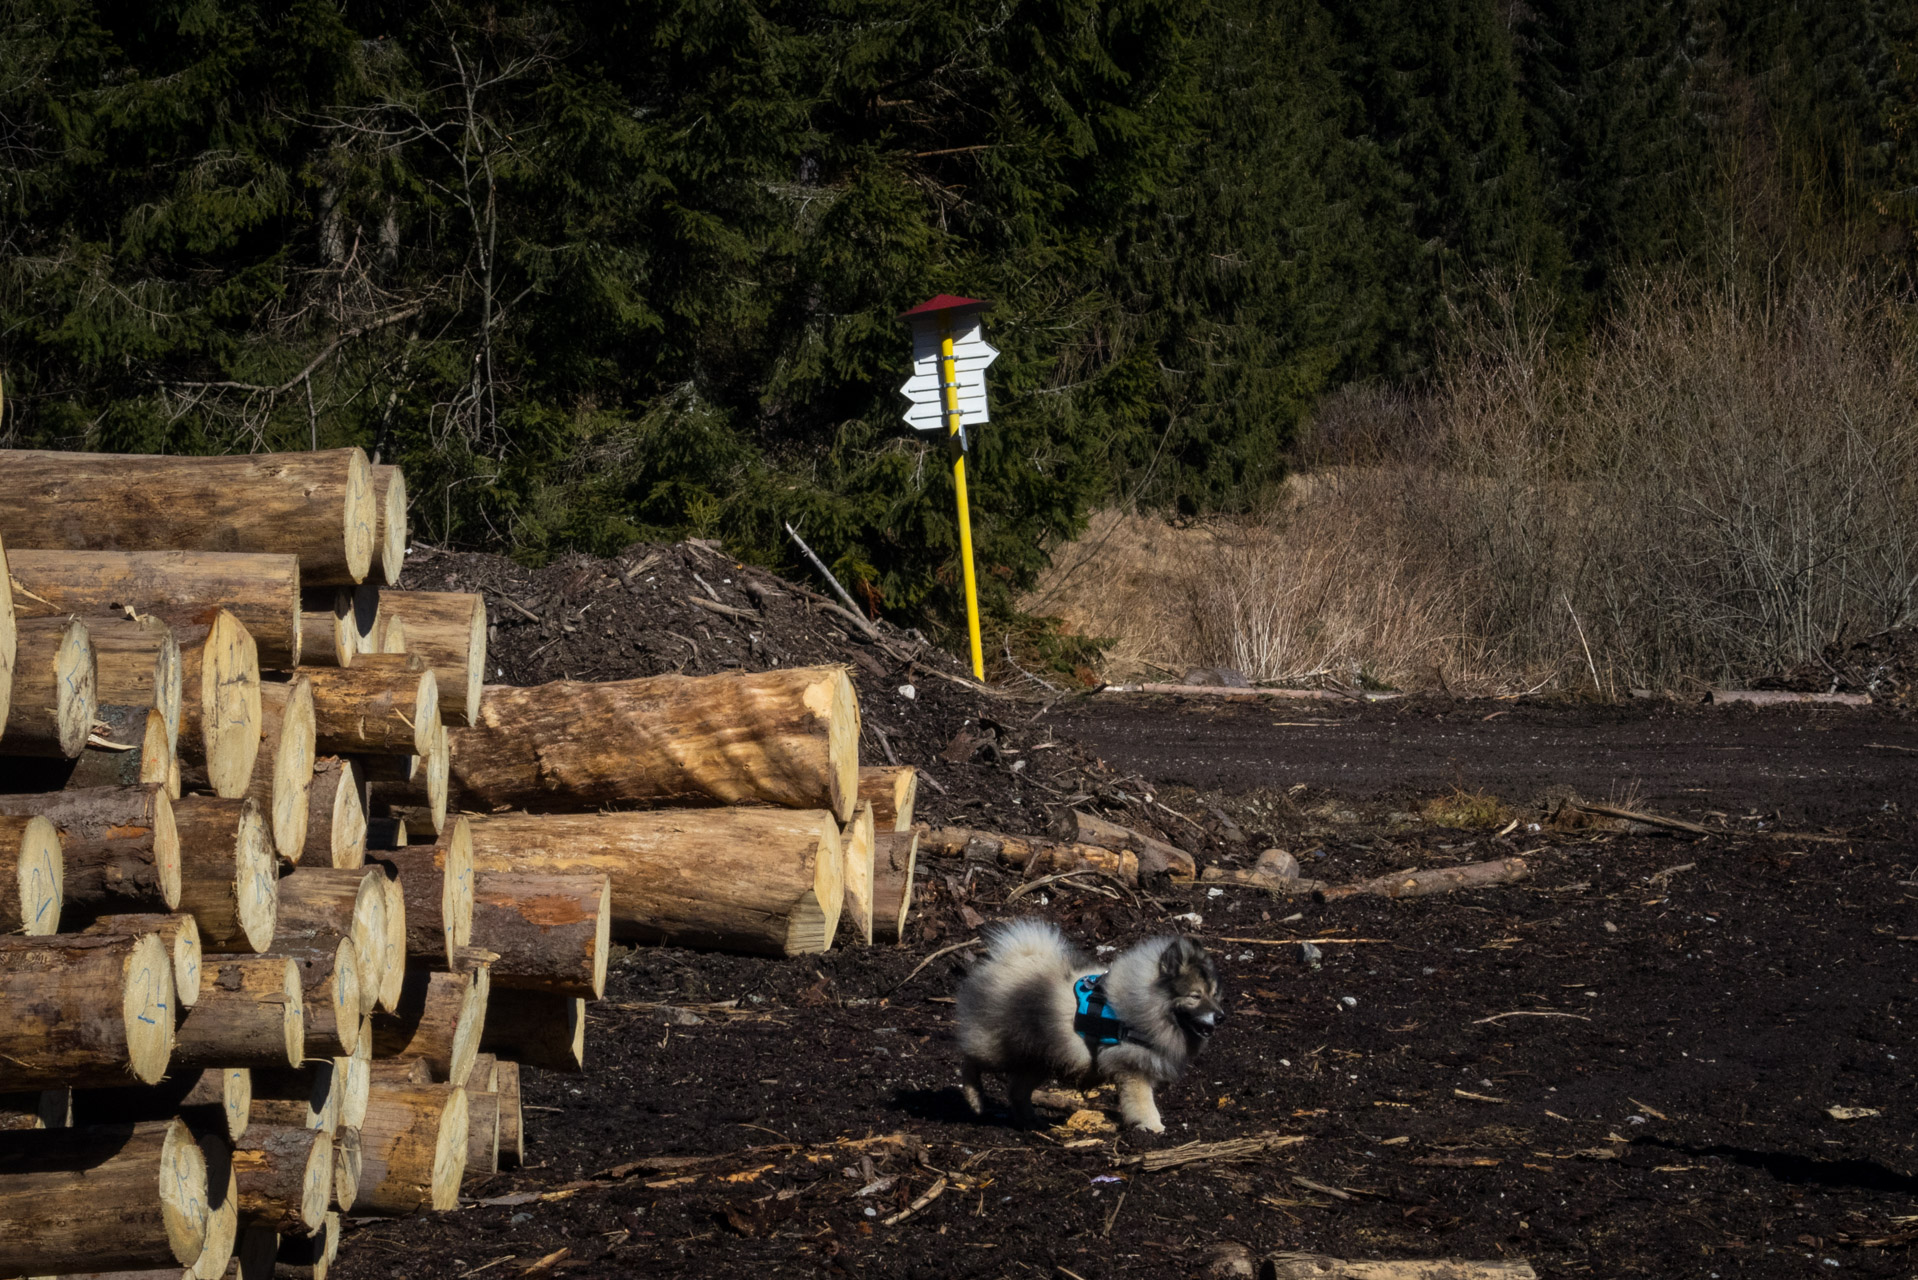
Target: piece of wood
764,881
420,795
482,1134
1155,855
120,847
329,630
536,1028
355,1074
220,703
53,689
392,968
331,996
223,1203
182,588
102,1199
1433,880
549,932
322,906
512,1128
336,814
229,880
381,705
1033,857
179,933
389,636
438,1020
895,855
9,637
855,917
33,873
1784,698
84,1011
1232,1149
311,1096
36,1109
483,1075
1573,807
402,1070
448,630
436,881
787,737
285,1177
894,792
1314,1266
128,746
283,773
1276,871
249,1014
219,1100
308,1257
412,1149
136,664
348,1164
389,498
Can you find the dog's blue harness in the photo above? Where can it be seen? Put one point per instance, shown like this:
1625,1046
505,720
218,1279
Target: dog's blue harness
1094,1022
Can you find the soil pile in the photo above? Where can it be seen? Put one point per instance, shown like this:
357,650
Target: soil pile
1883,665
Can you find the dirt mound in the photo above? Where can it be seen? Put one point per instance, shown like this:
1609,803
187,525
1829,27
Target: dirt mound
1883,665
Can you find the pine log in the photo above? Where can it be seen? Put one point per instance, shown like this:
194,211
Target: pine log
308,1257
307,1097
389,635
36,1109
179,933
220,707
448,630
336,814
482,1134
218,1099
438,1020
1033,857
549,932
223,1203
421,795
536,1028
106,1199
895,856
322,906
330,994
392,970
787,737
228,878
385,832
402,1070
120,847
136,663
283,773
32,865
1433,880
1155,856
1314,1266
129,745
9,638
855,917
436,882
181,588
412,1148
249,1014
329,629
318,506
54,696
381,705
285,1176
765,881
355,1077
348,1165
512,1129
84,1011
894,792
389,497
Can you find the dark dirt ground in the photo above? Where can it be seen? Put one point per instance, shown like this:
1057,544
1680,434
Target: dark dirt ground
1621,1067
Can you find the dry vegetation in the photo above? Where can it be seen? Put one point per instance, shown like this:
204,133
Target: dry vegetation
1715,488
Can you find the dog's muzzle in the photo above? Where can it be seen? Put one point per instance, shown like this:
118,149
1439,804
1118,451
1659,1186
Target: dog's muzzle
1204,1024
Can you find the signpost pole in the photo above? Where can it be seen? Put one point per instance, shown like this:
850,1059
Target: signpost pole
949,388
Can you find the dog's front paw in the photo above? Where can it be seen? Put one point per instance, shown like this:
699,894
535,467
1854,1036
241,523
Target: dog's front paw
975,1101
1154,1125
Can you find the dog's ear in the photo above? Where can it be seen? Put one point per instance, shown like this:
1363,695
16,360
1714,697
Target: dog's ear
1182,952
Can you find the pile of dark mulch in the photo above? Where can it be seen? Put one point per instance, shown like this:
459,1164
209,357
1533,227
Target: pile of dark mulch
1883,665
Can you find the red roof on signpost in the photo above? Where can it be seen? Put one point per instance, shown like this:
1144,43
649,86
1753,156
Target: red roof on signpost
943,302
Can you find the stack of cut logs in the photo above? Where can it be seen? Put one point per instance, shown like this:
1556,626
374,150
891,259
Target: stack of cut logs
287,897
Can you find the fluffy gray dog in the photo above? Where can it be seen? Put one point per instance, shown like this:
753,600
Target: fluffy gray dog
1037,1009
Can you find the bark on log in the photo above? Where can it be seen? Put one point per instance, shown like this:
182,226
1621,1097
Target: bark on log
482,1134
308,1097
283,773
381,705
512,1129
855,918
54,695
385,832
322,906
765,881
550,932
219,1100
330,994
36,1109
128,746
329,631
220,706
1031,856
120,847
249,1014
448,630
788,738
421,795
348,1164
537,1029
318,506
336,814
894,792
403,1070
1155,856
389,498
182,588
895,855
9,638
1420,884
412,1149
285,1177
179,933
106,1199
32,867
308,1257
84,1011
1313,1266
436,881
438,1020
229,880
136,663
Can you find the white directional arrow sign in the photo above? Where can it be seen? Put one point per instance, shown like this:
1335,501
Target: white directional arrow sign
971,353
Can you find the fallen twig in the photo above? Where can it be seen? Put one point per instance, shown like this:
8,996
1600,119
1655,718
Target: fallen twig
943,951
817,563
1530,1013
933,1192
1783,697
714,606
1032,885
1420,884
1231,1149
1479,1097
1635,815
1293,942
1315,1266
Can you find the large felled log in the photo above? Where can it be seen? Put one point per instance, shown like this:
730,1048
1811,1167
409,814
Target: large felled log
120,847
895,855
228,878
438,1020
53,689
285,1177
180,587
389,497
1420,884
448,629
33,871
1314,1266
412,1148
348,1164
375,707
322,906
179,933
330,993
788,738
249,1014
1155,856
1031,856
894,792
512,1128
550,933
417,786
103,1199
128,746
136,663
220,706
283,773
482,1134
307,1097
218,1100
855,917
317,506
329,634
336,816
9,639
84,1011
536,1028
223,1204
766,881
308,1257
36,1109
436,882
392,970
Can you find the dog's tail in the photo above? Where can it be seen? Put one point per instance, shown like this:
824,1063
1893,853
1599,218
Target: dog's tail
1027,939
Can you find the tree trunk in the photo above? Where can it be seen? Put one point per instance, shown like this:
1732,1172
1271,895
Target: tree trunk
219,1100
536,1028
788,738
439,1020
330,996
220,706
1032,857
307,1257
249,1014
550,932
856,917
336,815
120,847
33,867
179,934
1420,884
412,1149
182,588
318,506
765,881
283,774
285,1177
894,792
54,694
228,878
895,855
84,1011
436,880
322,906
512,1130
128,746
482,1134
389,497
1154,855
380,705
136,663
103,1199
448,630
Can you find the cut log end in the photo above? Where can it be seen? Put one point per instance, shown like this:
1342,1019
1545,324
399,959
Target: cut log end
39,875
815,918
228,668
55,691
291,782
894,792
178,933
183,1193
835,702
390,491
392,942
895,857
857,911
362,517
147,1008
